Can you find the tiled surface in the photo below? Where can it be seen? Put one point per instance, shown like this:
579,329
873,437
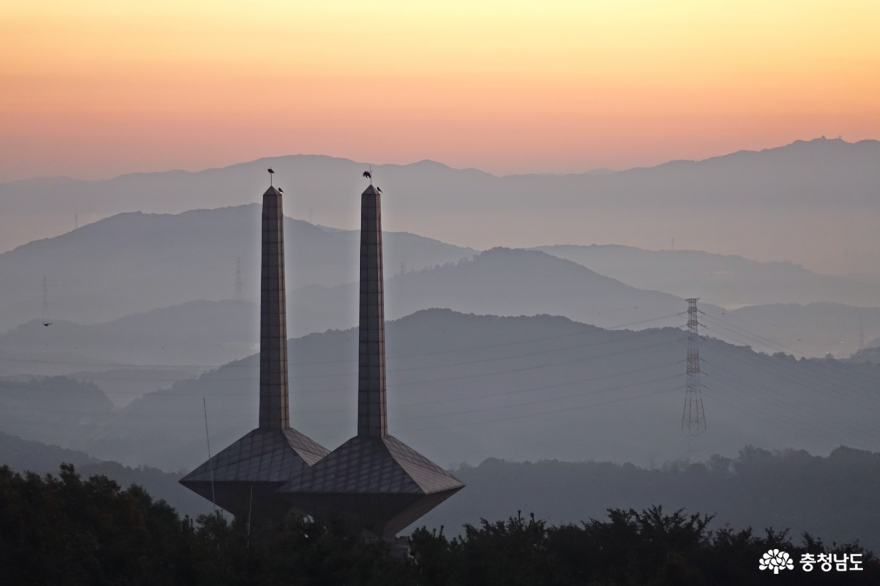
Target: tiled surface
367,465
429,476
264,455
274,453
373,479
372,416
274,412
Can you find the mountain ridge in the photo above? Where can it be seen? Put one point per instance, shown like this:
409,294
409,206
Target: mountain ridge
779,197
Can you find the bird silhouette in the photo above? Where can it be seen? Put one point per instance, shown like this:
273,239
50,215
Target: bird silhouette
379,189
271,171
47,324
280,190
368,175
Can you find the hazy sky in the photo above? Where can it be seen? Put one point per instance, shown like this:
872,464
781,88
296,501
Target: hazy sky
95,88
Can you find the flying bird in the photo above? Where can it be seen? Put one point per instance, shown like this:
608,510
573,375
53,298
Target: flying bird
47,324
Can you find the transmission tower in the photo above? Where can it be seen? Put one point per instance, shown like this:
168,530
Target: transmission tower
45,297
693,419
238,286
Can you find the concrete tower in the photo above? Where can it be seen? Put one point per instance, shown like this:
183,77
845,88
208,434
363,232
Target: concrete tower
374,480
243,477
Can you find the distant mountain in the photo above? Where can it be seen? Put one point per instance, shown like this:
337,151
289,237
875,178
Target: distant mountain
137,262
501,281
465,387
789,484
871,355
194,336
55,410
813,202
814,329
754,489
147,351
729,281
138,353
24,455
144,352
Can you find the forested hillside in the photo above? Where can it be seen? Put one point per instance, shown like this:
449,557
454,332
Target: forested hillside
69,530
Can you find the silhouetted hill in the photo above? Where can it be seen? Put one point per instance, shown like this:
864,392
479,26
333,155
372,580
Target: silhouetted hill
729,281
807,202
57,410
812,330
23,455
500,281
197,335
870,353
138,353
136,262
837,497
465,387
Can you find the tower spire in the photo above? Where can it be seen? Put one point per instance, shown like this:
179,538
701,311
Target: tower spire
273,318
247,473
372,420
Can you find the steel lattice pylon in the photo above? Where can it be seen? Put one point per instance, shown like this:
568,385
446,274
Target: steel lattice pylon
693,418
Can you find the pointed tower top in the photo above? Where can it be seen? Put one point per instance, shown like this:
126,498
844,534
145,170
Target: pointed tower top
247,473
273,317
371,333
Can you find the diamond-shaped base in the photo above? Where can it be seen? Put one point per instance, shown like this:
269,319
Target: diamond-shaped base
377,484
246,474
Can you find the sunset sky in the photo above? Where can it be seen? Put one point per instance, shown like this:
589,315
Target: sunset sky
96,88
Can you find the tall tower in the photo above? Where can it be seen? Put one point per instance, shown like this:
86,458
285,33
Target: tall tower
244,477
372,409
693,418
378,483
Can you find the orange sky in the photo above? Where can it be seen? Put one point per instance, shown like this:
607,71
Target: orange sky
96,88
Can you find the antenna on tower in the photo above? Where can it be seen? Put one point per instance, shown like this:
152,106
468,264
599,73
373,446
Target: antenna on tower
693,418
45,297
402,267
238,287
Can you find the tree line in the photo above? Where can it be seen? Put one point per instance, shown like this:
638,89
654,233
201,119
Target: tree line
66,530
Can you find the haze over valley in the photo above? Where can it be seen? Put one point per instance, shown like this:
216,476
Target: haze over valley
118,338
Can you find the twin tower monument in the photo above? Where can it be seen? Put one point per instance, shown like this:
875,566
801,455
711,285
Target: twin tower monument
374,481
